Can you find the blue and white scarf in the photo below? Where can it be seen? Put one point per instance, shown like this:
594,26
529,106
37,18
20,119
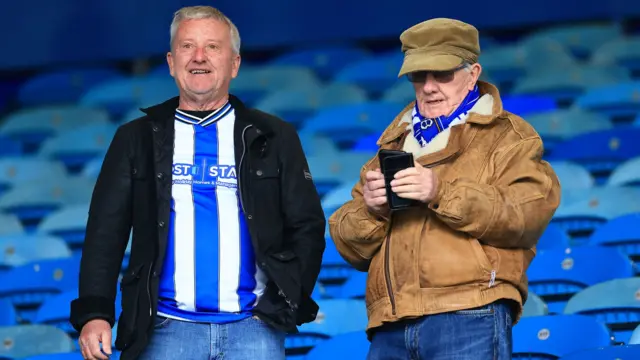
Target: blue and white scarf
425,129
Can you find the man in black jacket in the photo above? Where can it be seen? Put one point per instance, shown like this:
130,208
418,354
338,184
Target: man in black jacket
228,231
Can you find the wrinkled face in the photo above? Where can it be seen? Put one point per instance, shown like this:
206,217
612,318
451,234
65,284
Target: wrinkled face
439,93
202,60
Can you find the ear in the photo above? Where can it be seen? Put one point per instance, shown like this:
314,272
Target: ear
235,65
476,70
170,63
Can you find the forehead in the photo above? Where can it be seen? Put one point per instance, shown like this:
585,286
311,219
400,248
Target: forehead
210,29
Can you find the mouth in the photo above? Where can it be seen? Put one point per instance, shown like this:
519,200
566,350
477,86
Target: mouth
199,71
434,102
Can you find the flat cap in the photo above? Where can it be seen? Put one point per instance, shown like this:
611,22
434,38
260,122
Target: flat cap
438,45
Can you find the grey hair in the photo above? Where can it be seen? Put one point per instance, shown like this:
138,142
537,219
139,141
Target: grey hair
204,12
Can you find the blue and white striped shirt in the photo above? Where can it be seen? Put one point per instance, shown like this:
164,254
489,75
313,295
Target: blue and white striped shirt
210,273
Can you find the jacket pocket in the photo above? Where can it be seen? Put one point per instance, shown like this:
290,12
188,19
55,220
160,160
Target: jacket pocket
130,288
284,269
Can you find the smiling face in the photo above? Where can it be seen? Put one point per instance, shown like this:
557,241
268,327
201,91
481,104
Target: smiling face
202,60
440,93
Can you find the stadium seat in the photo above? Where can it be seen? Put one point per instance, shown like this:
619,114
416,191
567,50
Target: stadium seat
330,170
367,143
624,51
297,105
68,223
581,40
573,179
63,86
77,147
554,237
534,306
254,82
350,346
22,341
10,225
606,353
120,95
591,208
324,61
347,123
18,250
619,102
354,288
635,336
28,286
559,125
557,274
330,321
523,105
622,233
8,316
31,126
60,356
375,75
10,147
615,303
626,174
17,170
550,337
314,144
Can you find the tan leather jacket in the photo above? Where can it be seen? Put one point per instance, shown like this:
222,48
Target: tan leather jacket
473,243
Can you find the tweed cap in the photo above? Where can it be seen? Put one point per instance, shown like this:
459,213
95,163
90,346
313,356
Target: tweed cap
438,45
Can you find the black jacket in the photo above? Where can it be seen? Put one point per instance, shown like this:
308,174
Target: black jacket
133,191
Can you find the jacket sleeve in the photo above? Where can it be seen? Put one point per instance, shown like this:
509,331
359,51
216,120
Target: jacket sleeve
106,238
304,218
356,232
513,210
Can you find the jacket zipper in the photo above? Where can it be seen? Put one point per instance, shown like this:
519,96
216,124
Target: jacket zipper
244,150
149,291
387,271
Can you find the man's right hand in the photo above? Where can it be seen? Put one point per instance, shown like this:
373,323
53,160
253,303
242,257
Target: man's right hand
375,193
93,333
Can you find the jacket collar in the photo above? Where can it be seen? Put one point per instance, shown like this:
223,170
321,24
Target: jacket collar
398,128
163,114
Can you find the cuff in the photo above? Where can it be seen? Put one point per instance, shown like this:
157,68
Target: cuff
438,202
89,308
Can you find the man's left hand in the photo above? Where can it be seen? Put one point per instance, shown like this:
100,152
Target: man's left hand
416,183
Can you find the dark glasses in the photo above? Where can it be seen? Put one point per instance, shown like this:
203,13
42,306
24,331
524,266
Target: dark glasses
439,76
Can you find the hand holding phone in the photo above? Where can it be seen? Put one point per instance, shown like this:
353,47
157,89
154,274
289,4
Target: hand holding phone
392,161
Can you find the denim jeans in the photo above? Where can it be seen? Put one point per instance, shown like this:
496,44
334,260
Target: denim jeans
477,334
248,339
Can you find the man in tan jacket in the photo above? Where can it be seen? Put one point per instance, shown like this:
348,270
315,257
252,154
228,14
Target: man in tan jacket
446,278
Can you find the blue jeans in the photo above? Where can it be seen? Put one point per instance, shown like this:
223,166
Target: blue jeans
248,339
476,334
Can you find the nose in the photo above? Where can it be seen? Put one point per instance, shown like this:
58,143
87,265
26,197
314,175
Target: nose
198,56
430,84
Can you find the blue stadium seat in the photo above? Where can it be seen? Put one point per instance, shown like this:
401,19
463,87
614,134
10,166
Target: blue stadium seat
615,303
68,223
606,353
60,356
296,105
401,93
563,124
330,321
618,102
355,287
635,336
623,51
254,82
626,174
29,285
565,85
63,86
32,201
19,250
534,306
330,170
606,151
22,341
17,170
335,270
324,61
581,40
622,233
523,105
347,123
550,337
591,208
352,346
120,95
8,315
557,274
55,311
76,147
314,144
10,147
31,126
572,177
339,196
554,237
375,74
10,225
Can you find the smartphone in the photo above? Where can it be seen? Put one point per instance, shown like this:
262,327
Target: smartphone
392,161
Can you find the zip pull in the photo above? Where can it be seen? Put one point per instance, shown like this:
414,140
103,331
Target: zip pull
492,281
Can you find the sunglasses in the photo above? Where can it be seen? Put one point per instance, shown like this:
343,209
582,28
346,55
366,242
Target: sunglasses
439,76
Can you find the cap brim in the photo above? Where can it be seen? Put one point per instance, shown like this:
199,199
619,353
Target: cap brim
422,62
